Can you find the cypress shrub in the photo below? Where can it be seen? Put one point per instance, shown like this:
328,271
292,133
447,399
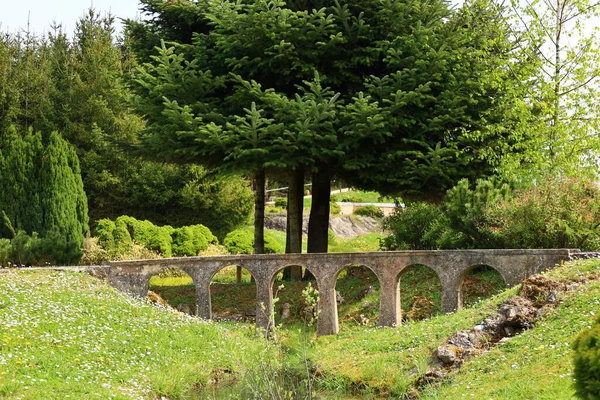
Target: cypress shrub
587,362
42,196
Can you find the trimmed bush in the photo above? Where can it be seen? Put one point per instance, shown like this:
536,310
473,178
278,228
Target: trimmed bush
104,232
241,241
152,237
118,238
369,211
587,362
190,240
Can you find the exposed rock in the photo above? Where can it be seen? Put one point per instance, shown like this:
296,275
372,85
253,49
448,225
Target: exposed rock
430,377
538,288
339,299
446,354
342,226
185,308
518,312
510,330
286,311
552,297
467,339
156,299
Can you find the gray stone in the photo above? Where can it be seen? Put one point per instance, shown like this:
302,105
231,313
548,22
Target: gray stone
286,311
184,308
446,354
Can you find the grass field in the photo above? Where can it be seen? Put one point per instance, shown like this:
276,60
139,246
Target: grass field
68,335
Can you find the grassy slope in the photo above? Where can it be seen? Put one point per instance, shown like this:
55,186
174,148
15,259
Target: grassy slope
67,335
535,365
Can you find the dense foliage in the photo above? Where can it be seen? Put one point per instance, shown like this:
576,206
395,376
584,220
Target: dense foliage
76,86
327,87
560,213
241,241
587,362
117,237
42,202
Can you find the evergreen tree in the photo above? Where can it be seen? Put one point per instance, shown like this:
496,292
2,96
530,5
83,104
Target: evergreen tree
43,193
393,95
77,87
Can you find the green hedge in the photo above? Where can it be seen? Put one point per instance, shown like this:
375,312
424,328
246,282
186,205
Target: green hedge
587,362
118,236
241,241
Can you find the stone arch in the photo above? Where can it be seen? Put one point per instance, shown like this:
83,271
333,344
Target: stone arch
479,281
290,305
418,278
174,285
235,300
358,284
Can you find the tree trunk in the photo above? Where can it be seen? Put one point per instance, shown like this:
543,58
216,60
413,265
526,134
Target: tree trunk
318,224
294,221
259,212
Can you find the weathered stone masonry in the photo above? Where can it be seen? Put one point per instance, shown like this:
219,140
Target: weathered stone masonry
451,266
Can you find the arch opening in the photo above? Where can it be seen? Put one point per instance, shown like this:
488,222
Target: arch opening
358,292
479,282
294,301
233,295
173,287
420,292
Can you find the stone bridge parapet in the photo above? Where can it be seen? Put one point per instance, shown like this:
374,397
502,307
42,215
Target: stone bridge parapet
451,266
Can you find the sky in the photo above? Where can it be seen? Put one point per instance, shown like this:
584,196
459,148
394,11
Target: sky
41,13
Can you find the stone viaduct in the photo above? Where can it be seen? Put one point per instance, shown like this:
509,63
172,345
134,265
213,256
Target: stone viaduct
451,266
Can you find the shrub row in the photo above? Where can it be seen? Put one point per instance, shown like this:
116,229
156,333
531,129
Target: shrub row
241,241
117,237
561,213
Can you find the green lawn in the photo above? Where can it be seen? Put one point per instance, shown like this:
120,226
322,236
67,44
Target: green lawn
68,335
535,365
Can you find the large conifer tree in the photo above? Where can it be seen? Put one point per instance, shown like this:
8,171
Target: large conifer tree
396,95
